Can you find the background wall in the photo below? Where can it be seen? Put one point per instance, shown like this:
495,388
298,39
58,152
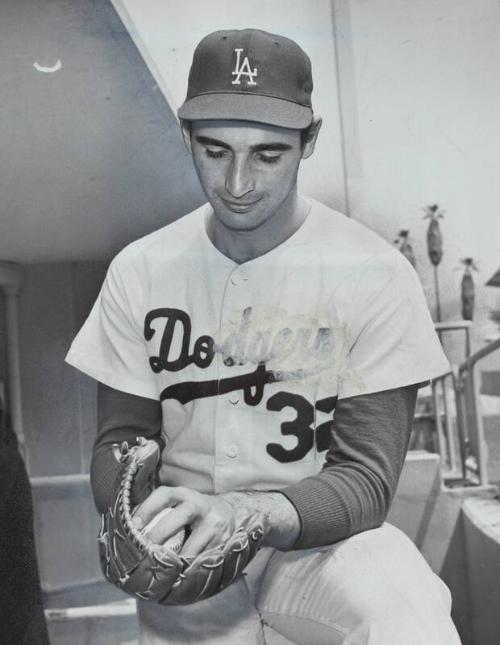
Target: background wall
91,153
420,96
58,402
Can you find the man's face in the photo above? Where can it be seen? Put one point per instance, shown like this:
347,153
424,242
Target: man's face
247,170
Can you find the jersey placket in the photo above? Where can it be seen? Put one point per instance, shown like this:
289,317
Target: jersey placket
229,435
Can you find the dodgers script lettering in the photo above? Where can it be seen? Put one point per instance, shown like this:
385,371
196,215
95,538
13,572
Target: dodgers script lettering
177,324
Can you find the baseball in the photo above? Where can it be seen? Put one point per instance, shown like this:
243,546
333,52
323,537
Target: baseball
173,543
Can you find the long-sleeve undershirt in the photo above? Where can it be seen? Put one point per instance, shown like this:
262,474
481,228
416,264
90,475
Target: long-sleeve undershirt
353,491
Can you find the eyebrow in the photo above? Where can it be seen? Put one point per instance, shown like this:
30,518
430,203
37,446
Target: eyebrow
271,147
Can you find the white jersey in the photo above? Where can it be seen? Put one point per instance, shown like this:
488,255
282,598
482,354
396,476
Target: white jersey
248,360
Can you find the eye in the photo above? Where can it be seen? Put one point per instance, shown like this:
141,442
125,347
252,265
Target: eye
268,158
215,153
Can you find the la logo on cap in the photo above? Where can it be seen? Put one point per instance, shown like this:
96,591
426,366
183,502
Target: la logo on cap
243,69
249,75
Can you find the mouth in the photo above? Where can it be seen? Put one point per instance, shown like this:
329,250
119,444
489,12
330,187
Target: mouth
239,207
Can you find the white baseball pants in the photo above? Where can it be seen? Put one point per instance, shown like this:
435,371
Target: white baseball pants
374,588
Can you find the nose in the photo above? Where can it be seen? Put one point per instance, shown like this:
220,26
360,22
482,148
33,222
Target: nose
239,178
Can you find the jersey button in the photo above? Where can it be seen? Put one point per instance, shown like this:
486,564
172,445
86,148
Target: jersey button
237,278
232,452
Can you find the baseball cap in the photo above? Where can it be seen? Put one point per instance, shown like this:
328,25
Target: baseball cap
249,75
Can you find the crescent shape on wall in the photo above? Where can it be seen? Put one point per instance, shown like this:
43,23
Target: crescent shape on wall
48,70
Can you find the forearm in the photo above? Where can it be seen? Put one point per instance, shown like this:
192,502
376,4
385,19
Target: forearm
337,503
120,417
354,490
319,510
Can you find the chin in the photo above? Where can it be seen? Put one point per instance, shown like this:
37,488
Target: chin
239,223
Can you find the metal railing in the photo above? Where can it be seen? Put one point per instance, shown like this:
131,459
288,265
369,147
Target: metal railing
458,417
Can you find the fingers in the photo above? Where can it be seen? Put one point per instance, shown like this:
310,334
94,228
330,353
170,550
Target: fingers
209,532
204,536
171,523
200,539
210,518
159,499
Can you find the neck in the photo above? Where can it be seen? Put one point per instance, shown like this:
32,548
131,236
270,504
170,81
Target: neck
242,246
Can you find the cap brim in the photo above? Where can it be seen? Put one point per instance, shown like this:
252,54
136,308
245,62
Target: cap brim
247,107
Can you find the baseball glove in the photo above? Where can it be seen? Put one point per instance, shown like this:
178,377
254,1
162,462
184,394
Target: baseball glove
154,572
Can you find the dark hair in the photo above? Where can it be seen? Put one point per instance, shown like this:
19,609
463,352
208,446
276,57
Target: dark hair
305,133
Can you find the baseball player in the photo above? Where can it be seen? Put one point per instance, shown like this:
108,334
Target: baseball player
273,348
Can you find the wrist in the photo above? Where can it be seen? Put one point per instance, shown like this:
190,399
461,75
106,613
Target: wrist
283,519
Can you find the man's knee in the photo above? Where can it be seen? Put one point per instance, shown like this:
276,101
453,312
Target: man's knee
372,588
393,615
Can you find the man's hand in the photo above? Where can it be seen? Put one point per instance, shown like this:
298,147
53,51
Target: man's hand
212,519
138,566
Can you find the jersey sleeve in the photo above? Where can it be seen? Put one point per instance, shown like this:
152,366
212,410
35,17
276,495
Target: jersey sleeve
110,346
391,337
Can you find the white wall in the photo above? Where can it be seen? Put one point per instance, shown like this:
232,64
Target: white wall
421,96
167,33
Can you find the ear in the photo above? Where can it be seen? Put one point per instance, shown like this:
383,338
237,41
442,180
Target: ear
186,134
310,143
